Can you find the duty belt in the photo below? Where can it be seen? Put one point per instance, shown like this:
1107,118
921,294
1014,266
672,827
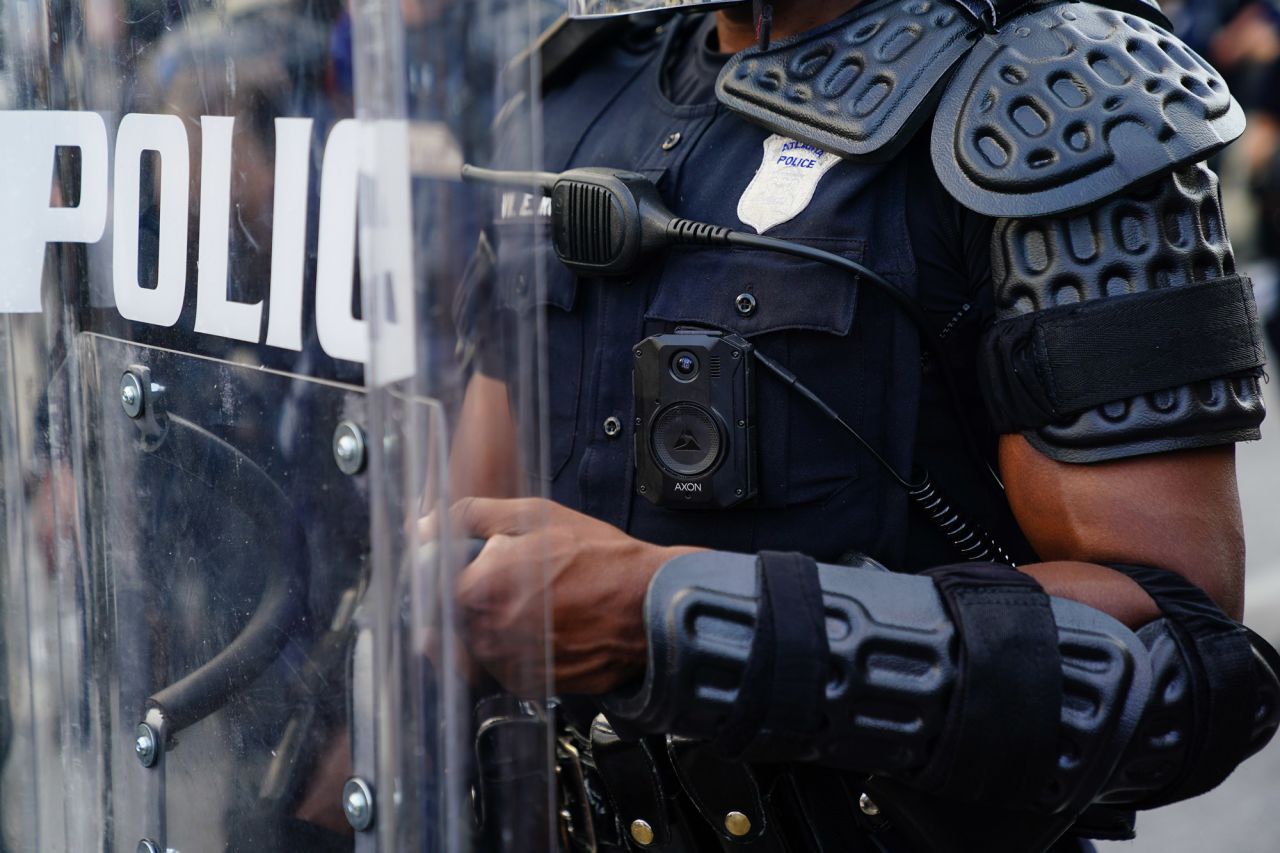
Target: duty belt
662,793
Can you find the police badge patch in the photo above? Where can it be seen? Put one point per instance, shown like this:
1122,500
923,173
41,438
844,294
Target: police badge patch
785,183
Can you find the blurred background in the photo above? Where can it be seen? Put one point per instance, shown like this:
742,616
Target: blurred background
1242,38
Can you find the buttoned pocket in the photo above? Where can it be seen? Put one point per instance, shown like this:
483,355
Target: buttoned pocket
802,314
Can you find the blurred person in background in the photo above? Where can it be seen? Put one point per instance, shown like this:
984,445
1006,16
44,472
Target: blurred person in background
1243,40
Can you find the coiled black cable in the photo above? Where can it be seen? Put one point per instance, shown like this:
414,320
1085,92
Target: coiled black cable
970,539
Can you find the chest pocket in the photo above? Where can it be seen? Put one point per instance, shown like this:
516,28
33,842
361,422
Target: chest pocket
801,314
533,288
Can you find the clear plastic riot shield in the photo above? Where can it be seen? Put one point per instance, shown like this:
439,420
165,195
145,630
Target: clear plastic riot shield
254,346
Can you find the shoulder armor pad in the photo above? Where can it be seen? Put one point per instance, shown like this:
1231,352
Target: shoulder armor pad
1071,104
860,86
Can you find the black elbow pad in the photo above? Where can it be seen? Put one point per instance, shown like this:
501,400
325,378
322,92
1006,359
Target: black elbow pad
1216,700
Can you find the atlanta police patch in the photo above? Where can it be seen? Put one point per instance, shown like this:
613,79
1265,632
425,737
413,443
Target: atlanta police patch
785,183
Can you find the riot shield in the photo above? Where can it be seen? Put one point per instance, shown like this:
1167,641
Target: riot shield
247,333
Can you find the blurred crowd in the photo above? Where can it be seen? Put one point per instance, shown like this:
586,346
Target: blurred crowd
1242,39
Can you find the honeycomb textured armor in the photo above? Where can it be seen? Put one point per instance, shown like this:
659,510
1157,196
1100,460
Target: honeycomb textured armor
1168,234
860,86
893,669
1059,106
1071,103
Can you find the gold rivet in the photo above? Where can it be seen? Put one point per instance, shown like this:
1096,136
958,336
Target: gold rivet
868,806
737,823
641,833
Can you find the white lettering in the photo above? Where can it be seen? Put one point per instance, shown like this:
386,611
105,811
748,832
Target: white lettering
165,135
688,487
341,334
366,165
28,223
289,232
215,313
387,256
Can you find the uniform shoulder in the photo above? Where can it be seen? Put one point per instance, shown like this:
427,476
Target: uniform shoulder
1070,104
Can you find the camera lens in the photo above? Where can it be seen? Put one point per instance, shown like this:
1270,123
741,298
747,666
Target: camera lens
685,365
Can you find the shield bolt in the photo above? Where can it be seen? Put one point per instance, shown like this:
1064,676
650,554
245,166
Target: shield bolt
146,845
357,803
146,745
131,395
349,448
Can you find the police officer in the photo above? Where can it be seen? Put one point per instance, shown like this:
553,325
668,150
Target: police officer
1030,175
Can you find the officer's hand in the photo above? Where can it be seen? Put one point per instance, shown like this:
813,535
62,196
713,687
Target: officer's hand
544,559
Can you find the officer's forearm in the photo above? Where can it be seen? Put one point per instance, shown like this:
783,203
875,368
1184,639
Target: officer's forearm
1179,511
483,459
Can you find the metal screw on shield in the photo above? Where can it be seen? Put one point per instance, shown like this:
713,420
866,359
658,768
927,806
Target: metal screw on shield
349,448
146,745
357,803
131,395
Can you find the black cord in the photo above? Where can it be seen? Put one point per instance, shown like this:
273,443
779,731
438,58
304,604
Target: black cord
796,385
908,305
970,540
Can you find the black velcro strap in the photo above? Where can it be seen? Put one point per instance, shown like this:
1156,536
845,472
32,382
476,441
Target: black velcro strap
1044,367
779,702
1000,743
1221,656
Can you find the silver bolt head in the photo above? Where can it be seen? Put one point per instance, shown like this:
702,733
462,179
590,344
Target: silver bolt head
349,448
145,745
357,803
146,845
131,395
868,806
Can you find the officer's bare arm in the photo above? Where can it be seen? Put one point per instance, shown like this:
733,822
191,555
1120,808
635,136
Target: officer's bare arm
1077,516
483,457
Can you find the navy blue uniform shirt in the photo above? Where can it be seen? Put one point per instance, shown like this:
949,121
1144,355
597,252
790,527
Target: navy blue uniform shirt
648,105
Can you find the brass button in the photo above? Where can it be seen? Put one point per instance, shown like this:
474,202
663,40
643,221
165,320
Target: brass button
737,823
641,833
868,806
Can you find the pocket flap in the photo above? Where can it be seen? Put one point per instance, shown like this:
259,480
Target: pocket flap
530,274
754,292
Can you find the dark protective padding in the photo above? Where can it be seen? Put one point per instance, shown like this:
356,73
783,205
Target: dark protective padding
1215,702
1010,692
782,688
860,86
995,13
892,673
1063,361
1054,108
1167,234
1071,104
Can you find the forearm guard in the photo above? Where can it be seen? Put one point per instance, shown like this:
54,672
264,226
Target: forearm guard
972,684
